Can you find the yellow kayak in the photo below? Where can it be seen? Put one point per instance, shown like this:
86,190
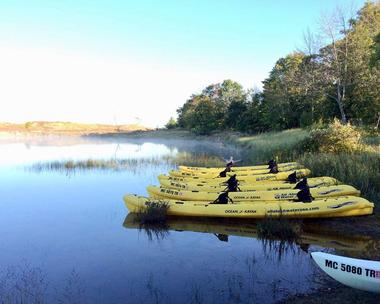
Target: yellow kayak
286,194
313,182
282,166
212,175
330,207
246,177
237,170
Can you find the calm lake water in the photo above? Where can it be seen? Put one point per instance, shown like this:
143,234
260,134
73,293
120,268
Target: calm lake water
66,236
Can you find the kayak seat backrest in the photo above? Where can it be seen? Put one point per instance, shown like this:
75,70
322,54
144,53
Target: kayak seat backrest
292,178
302,184
222,198
304,195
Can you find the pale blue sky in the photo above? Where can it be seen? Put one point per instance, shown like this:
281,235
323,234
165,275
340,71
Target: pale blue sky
145,54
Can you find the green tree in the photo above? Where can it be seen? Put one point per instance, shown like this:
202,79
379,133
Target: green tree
223,94
203,120
283,94
171,124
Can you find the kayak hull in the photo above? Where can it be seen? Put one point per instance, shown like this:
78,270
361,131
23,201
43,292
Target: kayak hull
332,207
356,273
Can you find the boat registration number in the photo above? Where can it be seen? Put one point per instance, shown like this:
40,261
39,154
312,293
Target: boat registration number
353,269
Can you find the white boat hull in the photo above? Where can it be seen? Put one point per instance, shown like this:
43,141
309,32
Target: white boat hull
356,273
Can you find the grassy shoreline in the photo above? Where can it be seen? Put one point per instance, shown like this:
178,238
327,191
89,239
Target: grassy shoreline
66,128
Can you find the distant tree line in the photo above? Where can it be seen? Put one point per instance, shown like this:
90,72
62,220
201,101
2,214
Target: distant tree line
336,75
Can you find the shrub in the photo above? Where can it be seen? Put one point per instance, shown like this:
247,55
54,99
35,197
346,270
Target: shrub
335,138
155,212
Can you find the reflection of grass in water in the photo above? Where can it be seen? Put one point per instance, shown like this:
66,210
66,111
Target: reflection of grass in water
152,220
278,228
26,284
189,159
278,235
22,285
73,292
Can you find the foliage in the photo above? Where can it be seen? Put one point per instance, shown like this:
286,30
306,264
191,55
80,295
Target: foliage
213,109
171,124
336,138
359,168
155,212
339,77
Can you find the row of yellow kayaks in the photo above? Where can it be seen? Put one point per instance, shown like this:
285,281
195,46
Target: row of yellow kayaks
195,191
177,175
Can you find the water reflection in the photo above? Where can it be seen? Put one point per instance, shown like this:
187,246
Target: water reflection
130,164
29,150
222,229
236,276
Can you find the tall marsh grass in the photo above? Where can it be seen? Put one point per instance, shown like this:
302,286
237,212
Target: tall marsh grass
360,168
283,146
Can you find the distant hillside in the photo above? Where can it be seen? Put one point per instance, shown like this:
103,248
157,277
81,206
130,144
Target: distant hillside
59,127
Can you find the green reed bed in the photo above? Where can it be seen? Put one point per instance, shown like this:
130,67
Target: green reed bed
283,146
361,170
